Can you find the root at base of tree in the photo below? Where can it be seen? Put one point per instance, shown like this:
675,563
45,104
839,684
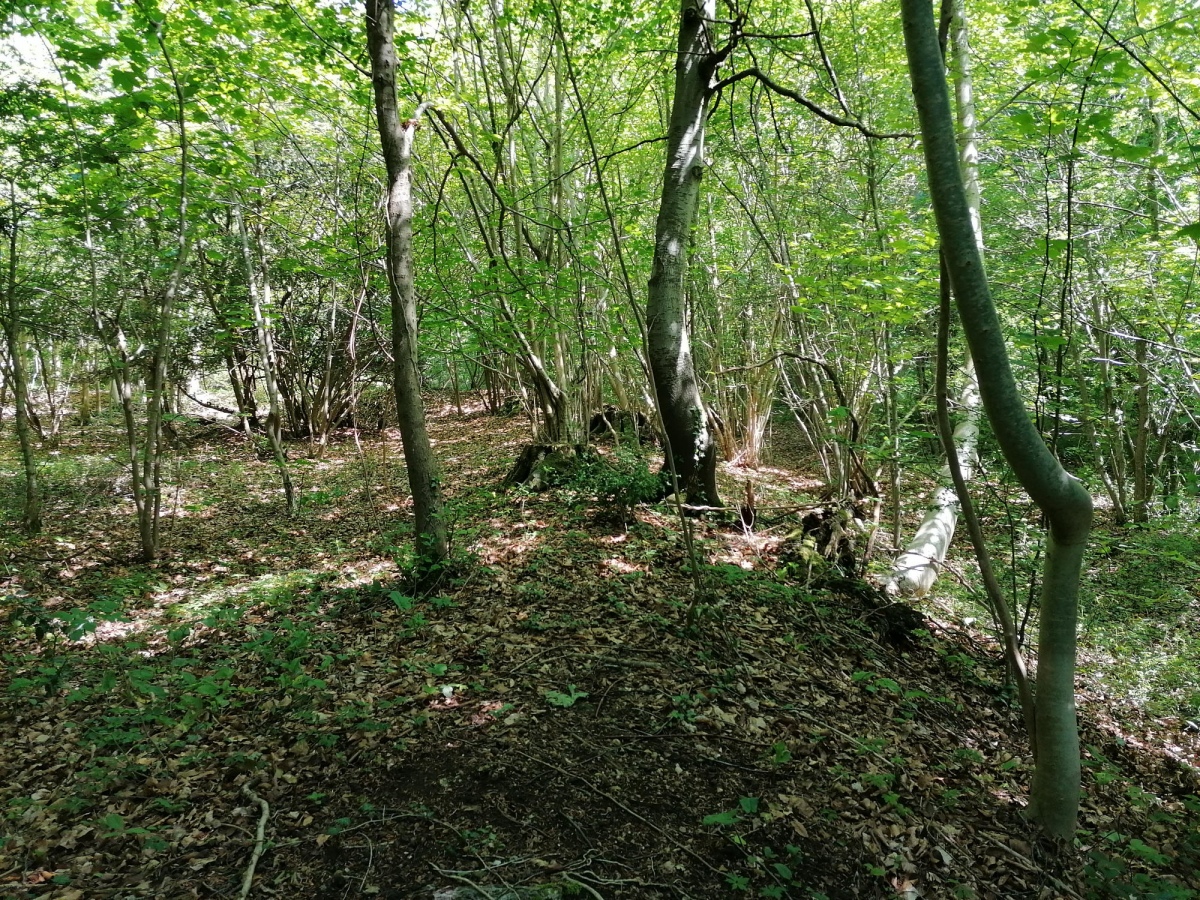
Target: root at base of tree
542,466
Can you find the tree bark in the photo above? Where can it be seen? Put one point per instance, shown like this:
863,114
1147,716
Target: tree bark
690,444
396,139
31,515
260,294
156,389
1054,800
916,570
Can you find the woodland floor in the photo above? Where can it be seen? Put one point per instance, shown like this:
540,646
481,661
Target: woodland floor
545,725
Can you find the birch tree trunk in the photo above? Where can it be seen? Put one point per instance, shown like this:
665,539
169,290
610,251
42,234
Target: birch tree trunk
690,443
396,139
1054,797
916,569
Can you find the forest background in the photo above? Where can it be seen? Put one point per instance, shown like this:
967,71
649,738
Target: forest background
199,233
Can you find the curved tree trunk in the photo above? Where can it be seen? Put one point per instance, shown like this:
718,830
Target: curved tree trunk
396,138
685,421
1054,799
916,569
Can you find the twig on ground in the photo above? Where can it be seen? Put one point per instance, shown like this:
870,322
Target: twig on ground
611,799
604,696
366,872
586,887
466,844
854,742
1030,866
462,878
260,843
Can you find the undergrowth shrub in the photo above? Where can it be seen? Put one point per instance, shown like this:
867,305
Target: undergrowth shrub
616,481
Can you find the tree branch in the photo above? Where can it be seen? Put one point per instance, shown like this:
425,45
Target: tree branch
260,843
1133,55
832,118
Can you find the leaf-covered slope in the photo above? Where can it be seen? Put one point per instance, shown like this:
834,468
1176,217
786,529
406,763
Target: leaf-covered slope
547,719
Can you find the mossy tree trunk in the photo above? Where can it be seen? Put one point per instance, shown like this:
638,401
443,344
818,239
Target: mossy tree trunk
1054,800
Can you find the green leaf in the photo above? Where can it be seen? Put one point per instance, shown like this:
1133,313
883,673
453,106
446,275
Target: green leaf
1146,852
123,80
558,698
1118,149
749,804
729,817
1025,122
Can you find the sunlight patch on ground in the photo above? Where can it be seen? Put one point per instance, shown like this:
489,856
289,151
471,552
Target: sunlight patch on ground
368,571
116,630
521,538
624,567
263,588
772,478
745,550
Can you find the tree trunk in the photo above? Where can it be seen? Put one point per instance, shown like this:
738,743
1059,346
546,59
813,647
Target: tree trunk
150,468
31,516
259,291
1142,484
1054,800
690,445
396,138
156,389
916,570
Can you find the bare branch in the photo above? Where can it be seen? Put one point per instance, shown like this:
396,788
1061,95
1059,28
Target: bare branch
832,118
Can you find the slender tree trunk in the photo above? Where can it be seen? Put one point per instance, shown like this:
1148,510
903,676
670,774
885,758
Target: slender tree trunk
396,138
5,380
259,290
156,389
916,570
1054,799
150,468
685,421
1143,482
1099,463
31,515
